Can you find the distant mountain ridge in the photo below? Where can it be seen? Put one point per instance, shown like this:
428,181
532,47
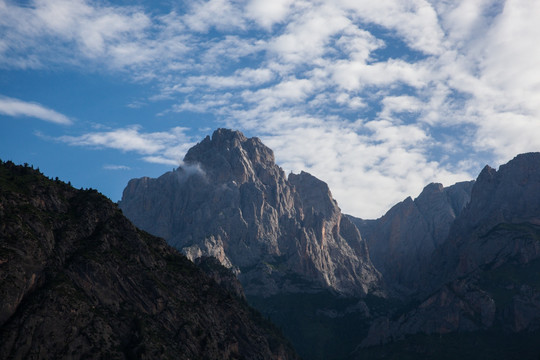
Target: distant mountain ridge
402,242
482,280
509,197
231,201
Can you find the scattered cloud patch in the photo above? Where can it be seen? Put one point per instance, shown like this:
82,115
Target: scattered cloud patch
267,13
116,167
166,148
80,33
19,108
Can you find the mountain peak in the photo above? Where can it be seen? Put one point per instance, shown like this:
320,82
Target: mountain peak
314,193
231,154
246,213
511,194
524,166
222,135
432,188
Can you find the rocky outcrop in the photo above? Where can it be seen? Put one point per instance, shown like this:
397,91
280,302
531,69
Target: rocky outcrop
503,203
230,200
402,242
223,276
78,280
483,279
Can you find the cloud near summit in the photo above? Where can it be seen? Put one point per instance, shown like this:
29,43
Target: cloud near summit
376,98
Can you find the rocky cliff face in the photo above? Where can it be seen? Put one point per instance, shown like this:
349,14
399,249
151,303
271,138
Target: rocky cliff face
78,280
231,201
483,279
500,200
402,242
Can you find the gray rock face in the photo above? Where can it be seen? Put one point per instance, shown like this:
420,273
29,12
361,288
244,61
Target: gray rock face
231,201
402,241
503,203
484,276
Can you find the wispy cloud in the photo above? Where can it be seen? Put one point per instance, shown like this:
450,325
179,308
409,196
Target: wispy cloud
116,167
75,32
19,108
157,147
376,98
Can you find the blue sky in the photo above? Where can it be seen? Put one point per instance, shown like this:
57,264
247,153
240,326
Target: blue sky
377,98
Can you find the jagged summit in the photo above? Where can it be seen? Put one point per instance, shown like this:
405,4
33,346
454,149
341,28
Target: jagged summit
228,155
403,240
510,194
279,233
226,141
482,279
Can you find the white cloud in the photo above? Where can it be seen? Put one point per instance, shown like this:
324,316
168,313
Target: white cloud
204,104
366,172
18,108
463,20
394,105
354,75
161,160
415,21
306,38
157,147
267,13
288,91
116,167
242,78
496,66
96,28
82,33
231,48
508,134
222,14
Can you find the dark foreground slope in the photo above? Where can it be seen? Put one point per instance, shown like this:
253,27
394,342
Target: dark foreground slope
78,280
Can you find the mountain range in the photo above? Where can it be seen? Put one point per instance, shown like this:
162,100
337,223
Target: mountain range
453,273
480,295
402,242
448,263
